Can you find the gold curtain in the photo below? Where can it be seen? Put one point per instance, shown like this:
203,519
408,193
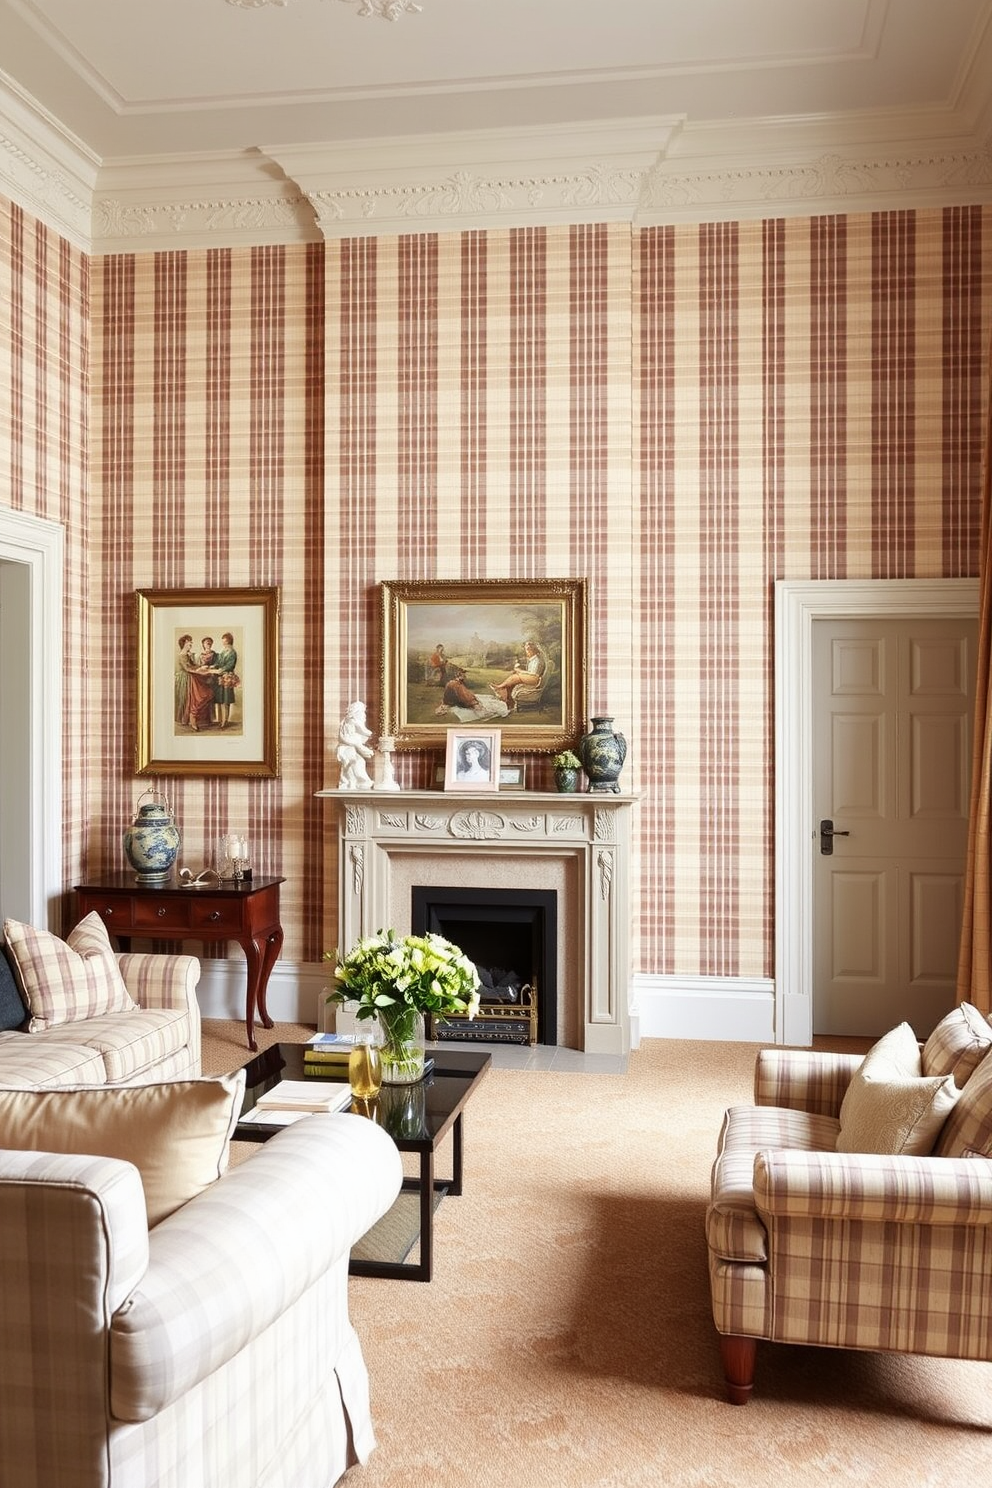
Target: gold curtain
974,976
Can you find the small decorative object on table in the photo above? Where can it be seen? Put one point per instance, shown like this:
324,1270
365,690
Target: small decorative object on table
602,753
387,778
567,766
151,842
353,750
397,980
233,862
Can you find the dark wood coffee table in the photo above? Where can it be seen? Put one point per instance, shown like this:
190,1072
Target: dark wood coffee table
417,1117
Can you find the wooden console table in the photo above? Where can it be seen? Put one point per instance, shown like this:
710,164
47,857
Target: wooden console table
247,912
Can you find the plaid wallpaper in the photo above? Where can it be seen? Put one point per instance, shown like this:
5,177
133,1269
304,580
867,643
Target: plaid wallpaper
680,414
44,433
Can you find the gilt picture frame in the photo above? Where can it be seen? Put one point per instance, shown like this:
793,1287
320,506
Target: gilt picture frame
207,684
507,654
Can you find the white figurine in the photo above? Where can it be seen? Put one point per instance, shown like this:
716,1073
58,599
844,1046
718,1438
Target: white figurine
387,780
353,750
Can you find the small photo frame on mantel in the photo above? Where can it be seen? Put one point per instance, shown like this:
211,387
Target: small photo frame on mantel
471,761
512,775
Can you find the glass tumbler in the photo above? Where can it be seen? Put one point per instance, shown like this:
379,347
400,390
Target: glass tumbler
365,1068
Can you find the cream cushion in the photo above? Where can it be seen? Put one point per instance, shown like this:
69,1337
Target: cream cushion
67,981
177,1133
889,1106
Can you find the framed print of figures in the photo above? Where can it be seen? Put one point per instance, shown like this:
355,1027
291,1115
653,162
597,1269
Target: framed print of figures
208,682
472,760
490,652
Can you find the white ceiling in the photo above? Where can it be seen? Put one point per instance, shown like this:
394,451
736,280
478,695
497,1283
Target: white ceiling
174,80
161,77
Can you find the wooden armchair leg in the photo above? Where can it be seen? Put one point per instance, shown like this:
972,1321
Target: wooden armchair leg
738,1356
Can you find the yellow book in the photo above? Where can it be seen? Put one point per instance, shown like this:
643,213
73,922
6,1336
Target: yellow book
326,1056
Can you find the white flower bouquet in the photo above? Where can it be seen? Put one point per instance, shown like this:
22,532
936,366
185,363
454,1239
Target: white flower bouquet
400,979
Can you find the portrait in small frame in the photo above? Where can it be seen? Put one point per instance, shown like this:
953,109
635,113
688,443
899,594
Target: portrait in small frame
472,760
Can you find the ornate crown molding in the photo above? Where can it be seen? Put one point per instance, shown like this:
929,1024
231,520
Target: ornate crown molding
645,172
44,169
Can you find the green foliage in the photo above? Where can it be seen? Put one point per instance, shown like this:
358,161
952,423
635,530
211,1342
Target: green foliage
424,973
567,761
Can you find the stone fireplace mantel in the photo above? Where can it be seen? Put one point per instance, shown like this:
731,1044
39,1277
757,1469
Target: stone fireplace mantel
577,845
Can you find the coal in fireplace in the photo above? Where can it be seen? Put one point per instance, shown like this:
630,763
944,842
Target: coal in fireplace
511,935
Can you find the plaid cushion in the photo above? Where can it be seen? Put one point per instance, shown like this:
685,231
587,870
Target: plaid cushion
958,1044
127,1044
968,1129
66,981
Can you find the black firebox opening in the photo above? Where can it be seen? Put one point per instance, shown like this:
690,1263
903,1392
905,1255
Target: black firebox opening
510,934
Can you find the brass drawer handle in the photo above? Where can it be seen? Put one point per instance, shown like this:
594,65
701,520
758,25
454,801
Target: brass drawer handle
107,912
215,915
161,912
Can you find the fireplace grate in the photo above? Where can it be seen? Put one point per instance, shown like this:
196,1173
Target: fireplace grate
495,1022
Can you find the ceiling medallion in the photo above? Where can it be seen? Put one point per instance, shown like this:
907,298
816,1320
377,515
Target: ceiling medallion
386,10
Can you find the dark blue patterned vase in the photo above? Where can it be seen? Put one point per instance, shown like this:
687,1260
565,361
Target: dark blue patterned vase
602,753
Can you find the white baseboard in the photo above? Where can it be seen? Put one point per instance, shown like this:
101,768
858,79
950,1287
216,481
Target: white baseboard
737,1008
294,995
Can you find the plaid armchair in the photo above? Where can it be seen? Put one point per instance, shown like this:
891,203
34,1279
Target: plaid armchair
866,1250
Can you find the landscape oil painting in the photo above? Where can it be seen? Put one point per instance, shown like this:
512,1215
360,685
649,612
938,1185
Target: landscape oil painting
505,654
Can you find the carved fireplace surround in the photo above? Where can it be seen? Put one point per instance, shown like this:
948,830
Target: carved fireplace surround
576,845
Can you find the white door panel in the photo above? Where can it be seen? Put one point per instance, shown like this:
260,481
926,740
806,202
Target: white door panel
892,713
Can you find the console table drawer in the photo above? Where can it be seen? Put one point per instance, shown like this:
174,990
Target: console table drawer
116,914
216,916
169,914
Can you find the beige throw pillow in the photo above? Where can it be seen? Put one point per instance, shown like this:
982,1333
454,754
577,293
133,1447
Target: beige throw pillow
889,1106
67,981
177,1133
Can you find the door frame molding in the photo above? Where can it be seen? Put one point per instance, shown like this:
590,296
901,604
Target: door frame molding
40,545
799,603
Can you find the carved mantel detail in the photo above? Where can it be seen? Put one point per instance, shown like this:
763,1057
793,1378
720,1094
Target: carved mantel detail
577,847
477,825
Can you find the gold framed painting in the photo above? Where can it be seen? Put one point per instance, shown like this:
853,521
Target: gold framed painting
508,654
208,698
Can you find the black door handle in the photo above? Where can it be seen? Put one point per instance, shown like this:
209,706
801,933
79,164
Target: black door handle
827,835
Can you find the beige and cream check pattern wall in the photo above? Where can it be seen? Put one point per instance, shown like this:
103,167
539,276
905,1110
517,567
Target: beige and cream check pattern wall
681,415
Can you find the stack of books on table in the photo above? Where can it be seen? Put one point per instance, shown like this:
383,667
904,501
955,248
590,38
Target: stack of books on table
291,1099
327,1054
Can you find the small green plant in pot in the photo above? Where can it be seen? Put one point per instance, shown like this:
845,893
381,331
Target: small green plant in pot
567,766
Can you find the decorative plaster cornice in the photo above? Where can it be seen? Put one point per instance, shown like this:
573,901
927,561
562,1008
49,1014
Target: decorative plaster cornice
44,169
829,182
643,171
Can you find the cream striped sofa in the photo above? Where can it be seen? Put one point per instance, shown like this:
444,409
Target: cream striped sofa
214,1350
160,1040
859,1250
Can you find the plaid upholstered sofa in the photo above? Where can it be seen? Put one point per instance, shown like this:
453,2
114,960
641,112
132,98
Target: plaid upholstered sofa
851,1205
213,1350
89,1016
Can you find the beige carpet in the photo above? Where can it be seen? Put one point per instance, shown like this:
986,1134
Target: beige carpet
566,1338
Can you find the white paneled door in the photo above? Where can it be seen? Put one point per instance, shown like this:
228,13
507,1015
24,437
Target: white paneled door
892,722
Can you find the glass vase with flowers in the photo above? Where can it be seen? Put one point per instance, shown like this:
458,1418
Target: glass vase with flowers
398,980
